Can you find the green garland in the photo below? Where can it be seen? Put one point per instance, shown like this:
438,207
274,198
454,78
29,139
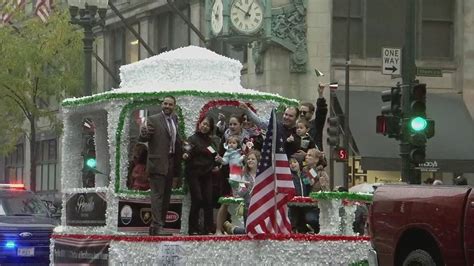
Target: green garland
230,200
341,195
144,95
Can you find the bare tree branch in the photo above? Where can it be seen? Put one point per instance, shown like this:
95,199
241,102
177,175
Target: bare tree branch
21,102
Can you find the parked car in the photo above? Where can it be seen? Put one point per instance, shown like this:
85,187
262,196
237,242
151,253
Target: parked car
26,226
422,225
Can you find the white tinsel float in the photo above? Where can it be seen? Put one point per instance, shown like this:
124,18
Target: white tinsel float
201,81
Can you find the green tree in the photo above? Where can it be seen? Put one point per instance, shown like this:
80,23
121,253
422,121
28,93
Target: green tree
41,64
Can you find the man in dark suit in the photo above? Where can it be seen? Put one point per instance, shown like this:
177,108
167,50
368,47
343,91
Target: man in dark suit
164,158
316,124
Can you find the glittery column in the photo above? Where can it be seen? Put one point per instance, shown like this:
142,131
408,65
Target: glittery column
185,209
329,220
349,219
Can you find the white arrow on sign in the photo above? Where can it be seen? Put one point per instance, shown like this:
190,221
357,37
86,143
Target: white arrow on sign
391,61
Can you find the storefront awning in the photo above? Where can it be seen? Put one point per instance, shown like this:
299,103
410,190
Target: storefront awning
452,147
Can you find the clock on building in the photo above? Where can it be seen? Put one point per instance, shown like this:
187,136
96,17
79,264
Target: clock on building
217,19
246,16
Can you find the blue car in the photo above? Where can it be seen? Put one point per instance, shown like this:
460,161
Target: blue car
26,226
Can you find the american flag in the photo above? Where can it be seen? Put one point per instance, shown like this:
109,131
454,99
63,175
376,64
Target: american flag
273,188
10,7
43,9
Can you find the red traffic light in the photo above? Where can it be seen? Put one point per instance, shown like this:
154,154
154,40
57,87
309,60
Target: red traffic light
381,125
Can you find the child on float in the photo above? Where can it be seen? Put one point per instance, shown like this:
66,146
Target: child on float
233,158
300,216
234,130
302,129
249,174
137,176
313,170
302,139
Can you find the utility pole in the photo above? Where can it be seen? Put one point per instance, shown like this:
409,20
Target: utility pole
346,95
408,77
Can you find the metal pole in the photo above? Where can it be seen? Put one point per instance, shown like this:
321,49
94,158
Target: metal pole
346,95
408,76
88,41
331,148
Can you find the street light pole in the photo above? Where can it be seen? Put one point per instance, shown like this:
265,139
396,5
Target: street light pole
87,11
408,77
346,95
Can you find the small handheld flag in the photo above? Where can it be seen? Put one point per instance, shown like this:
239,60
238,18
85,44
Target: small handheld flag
318,73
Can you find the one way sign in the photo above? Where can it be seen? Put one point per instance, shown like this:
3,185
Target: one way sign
391,61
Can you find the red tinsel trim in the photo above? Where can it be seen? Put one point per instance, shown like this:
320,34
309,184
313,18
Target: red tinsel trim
300,199
294,237
347,202
213,104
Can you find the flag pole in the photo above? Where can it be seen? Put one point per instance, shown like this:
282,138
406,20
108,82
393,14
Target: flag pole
274,127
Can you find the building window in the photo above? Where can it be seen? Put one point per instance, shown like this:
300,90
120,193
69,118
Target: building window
118,51
381,23
132,45
180,30
437,27
47,168
14,164
171,31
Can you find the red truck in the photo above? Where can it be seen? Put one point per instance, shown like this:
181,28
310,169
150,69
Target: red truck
422,225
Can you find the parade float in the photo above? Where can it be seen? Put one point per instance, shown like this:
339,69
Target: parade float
106,222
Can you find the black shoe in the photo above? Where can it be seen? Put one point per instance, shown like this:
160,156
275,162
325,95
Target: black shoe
155,231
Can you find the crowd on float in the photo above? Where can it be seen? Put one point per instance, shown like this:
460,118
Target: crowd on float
221,159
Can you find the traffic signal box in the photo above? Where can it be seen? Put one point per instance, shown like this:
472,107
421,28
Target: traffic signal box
334,135
333,131
89,156
408,122
417,127
389,123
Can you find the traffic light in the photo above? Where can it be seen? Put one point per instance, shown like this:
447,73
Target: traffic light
333,131
418,128
90,161
388,124
340,154
394,96
89,156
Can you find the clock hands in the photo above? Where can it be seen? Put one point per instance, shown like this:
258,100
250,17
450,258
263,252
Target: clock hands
238,7
248,10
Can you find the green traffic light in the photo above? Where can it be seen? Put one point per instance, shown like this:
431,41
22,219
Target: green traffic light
418,123
91,163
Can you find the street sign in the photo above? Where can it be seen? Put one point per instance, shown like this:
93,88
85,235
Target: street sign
429,72
391,61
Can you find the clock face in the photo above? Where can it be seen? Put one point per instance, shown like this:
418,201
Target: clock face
246,15
217,20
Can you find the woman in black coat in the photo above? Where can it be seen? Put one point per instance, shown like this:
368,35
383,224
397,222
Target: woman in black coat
199,153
